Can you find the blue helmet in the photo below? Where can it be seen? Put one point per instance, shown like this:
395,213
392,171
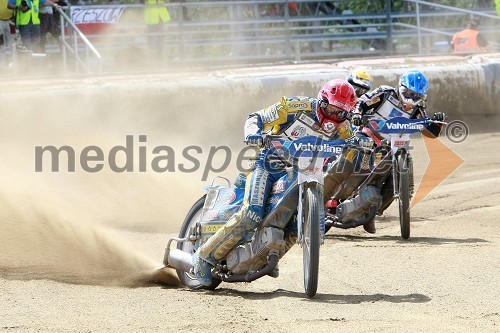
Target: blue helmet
412,88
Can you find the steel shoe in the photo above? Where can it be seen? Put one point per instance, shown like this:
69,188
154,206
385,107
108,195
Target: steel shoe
370,227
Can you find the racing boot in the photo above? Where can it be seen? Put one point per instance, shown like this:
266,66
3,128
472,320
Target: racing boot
220,244
275,272
202,270
370,227
290,241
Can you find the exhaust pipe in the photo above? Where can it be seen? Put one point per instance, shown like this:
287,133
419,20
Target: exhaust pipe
178,259
354,224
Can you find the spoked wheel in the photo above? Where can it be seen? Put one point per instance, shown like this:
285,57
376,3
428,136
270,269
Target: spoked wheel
404,195
312,240
193,217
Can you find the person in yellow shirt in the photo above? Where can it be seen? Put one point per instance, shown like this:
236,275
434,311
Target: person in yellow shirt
28,22
156,15
6,38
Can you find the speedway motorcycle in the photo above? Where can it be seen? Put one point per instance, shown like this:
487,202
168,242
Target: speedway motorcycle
294,207
362,205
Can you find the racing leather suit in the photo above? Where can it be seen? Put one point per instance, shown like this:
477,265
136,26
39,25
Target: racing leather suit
277,119
381,104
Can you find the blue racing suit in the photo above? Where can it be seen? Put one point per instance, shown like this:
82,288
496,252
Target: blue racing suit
277,119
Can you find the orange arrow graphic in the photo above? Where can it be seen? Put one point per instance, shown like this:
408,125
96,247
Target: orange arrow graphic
442,162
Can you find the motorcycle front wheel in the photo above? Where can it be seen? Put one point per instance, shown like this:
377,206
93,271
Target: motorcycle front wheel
193,217
404,195
312,240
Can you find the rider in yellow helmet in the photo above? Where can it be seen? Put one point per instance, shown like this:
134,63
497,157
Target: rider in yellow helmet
361,80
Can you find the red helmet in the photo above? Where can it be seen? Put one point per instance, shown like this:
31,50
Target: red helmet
336,100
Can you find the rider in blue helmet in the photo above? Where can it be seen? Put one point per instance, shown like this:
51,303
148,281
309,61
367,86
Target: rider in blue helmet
412,89
408,100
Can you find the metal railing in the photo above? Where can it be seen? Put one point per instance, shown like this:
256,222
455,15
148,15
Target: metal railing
223,32
72,42
232,32
420,29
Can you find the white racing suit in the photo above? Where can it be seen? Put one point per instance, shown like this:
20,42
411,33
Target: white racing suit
380,104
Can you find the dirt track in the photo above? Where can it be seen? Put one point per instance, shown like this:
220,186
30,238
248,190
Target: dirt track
446,278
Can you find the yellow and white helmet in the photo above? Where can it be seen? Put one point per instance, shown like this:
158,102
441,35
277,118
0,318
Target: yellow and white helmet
360,80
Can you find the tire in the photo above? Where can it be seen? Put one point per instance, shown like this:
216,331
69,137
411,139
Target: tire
193,216
312,240
404,195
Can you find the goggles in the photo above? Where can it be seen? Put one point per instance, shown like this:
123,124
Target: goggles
411,95
331,110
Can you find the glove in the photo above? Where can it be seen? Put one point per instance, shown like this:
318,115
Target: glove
255,140
439,116
365,142
357,119
362,141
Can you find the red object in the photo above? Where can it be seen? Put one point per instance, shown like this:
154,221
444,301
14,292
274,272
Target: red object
293,7
95,28
332,203
338,93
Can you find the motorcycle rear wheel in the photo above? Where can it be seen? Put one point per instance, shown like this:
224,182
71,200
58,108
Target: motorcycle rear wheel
312,240
404,195
193,216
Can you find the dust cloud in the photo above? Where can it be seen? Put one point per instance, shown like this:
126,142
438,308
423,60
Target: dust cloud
68,226
38,244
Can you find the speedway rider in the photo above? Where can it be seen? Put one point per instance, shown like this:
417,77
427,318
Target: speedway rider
329,114
360,80
408,100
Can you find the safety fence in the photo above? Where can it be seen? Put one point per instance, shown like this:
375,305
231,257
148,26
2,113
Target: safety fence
208,33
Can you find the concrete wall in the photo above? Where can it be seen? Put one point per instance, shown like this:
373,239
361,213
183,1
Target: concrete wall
177,110
464,88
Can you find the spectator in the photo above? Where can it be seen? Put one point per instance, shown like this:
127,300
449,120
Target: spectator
274,10
5,33
469,40
28,21
156,15
48,24
185,15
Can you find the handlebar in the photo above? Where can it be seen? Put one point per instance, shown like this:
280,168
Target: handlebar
365,118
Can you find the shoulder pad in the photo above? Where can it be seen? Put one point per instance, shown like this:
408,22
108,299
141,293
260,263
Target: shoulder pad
300,103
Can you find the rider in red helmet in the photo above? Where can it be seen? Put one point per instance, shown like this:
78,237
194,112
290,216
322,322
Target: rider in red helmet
326,117
336,102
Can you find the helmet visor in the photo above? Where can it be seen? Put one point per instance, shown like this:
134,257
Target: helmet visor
332,110
410,95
